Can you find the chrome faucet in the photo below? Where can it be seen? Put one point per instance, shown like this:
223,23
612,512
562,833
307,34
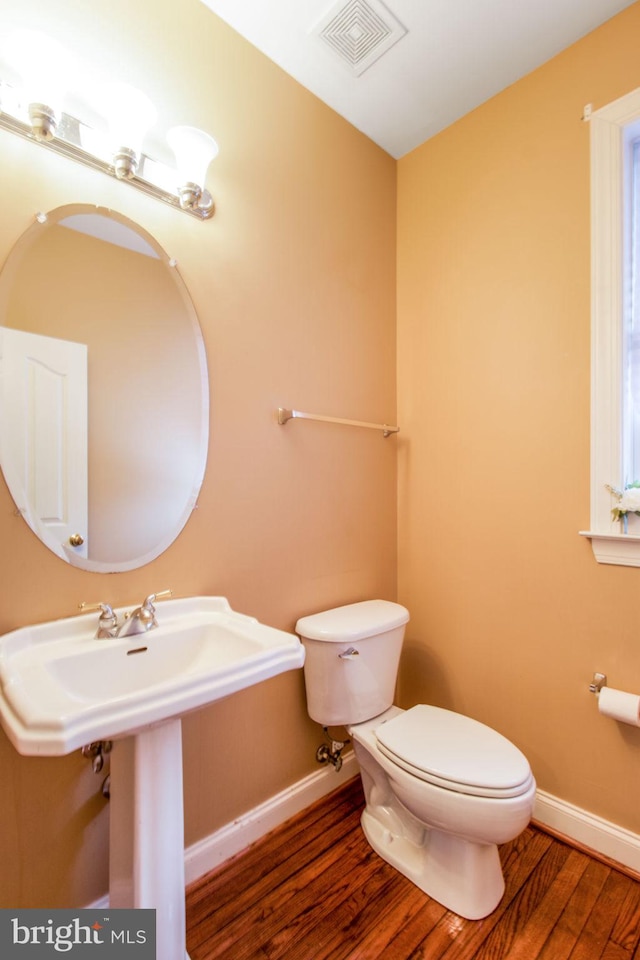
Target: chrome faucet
143,618
107,622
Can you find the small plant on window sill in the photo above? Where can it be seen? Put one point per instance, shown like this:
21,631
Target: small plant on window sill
628,502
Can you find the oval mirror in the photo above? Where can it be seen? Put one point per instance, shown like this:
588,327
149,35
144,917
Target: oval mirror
104,401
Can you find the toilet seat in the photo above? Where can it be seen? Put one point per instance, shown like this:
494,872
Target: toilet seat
454,752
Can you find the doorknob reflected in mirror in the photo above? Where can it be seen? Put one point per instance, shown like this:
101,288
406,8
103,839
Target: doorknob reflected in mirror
76,540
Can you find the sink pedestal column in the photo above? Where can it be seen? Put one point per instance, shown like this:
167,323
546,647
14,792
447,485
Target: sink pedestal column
146,847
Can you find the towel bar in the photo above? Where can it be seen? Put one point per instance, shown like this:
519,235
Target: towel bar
284,415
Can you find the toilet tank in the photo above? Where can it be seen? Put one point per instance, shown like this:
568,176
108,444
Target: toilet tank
351,660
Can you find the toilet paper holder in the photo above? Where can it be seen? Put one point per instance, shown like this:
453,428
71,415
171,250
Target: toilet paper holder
599,681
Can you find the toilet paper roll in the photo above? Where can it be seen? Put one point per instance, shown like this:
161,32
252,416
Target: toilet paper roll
619,705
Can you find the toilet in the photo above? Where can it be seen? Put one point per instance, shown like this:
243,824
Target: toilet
441,789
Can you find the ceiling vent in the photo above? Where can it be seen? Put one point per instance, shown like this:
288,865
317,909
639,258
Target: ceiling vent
359,32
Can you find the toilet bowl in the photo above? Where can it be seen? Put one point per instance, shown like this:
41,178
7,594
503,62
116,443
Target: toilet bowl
441,789
441,833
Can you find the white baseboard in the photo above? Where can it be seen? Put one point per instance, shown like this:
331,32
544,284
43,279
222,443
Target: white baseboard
578,825
585,828
210,852
574,823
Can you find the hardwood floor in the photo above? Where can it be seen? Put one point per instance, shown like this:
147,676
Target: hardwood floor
314,890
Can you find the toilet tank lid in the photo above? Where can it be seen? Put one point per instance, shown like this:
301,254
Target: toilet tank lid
355,621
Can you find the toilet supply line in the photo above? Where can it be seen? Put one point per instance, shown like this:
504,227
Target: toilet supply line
331,752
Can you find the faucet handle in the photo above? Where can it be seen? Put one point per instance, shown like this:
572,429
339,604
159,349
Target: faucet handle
147,612
106,608
154,597
108,620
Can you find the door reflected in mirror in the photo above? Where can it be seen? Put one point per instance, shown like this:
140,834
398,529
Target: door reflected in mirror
103,390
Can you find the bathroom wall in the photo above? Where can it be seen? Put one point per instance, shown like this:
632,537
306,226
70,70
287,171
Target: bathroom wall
511,614
294,284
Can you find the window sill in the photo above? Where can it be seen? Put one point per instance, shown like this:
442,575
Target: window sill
622,549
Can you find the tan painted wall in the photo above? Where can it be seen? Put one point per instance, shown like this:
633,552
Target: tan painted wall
294,284
511,615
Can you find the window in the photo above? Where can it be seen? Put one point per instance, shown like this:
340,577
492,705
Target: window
631,312
615,332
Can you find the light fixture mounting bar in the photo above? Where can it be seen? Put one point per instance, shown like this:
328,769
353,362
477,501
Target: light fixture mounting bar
72,151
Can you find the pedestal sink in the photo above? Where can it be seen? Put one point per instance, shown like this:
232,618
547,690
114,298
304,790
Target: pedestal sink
60,688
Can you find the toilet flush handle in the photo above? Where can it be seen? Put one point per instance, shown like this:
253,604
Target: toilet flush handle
349,654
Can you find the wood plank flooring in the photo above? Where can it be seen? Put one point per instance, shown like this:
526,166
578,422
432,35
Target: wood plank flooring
313,889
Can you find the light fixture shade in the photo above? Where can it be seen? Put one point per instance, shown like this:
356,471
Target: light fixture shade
129,114
43,66
194,150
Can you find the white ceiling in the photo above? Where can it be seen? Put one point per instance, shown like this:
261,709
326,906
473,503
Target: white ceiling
454,55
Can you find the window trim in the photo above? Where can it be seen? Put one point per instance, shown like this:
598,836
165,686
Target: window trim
608,129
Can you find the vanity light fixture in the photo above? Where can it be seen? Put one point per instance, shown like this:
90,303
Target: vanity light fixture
194,150
34,84
42,67
130,115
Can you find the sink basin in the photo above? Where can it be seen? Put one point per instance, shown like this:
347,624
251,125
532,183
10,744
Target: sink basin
61,688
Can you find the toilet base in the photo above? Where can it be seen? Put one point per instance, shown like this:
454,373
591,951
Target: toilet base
465,877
